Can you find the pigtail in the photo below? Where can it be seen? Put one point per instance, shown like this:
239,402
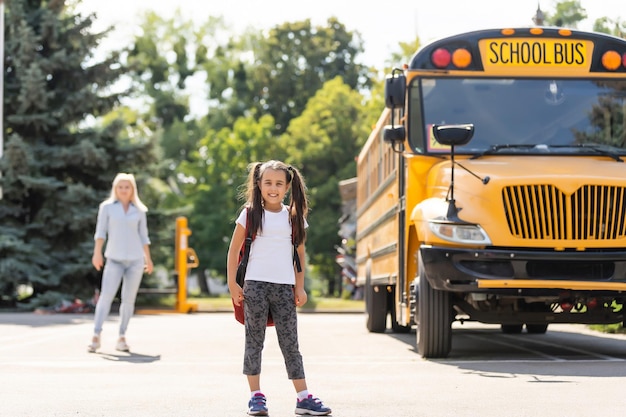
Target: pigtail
254,200
298,205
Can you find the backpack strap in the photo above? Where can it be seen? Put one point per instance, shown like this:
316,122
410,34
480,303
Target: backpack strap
296,257
245,249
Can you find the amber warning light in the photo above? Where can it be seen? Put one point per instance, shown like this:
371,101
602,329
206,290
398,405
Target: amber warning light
611,60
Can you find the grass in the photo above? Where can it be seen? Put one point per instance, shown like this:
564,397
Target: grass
223,303
616,328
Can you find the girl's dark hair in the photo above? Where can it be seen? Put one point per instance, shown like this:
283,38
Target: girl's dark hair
298,204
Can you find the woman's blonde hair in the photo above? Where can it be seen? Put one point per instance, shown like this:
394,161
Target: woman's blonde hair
122,176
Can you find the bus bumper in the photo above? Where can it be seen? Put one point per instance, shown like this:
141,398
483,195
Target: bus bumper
523,272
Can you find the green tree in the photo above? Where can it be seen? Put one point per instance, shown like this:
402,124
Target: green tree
403,54
568,14
324,142
215,179
165,60
612,26
277,73
241,82
56,166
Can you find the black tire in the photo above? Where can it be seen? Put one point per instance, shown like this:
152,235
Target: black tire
434,319
511,328
375,305
537,328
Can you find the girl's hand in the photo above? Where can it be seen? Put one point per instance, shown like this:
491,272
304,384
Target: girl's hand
300,297
236,293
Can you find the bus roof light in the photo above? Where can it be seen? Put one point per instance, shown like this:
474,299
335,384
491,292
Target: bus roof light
441,58
461,58
611,60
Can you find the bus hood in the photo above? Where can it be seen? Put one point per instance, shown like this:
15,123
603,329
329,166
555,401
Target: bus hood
519,200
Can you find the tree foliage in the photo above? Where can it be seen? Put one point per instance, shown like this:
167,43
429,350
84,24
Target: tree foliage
202,104
55,168
568,14
247,90
612,26
288,65
324,142
219,169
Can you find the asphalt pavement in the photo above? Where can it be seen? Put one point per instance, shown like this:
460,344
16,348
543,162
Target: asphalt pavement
179,365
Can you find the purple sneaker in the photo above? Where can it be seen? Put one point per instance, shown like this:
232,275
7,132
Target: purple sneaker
312,406
256,405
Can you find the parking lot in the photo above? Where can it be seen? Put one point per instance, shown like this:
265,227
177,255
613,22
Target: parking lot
179,365
190,365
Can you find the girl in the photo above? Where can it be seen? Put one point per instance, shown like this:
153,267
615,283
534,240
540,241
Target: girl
121,219
272,284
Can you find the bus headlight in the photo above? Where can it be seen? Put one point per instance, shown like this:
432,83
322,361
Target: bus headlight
460,233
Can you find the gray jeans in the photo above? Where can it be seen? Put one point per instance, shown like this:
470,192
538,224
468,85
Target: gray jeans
114,271
261,298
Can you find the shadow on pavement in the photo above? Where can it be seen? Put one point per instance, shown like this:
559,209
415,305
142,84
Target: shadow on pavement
129,357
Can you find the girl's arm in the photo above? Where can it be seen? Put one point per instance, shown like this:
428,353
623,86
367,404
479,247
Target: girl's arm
239,235
299,292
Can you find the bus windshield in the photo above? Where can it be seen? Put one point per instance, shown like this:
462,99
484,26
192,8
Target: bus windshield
521,115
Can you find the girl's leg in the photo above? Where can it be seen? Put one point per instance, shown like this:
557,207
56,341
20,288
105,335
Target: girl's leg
283,307
254,381
300,385
111,278
130,287
255,310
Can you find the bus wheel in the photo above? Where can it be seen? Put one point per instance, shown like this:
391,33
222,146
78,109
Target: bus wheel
511,328
537,328
434,319
376,308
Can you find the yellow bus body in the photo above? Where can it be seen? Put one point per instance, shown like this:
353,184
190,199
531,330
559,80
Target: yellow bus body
537,221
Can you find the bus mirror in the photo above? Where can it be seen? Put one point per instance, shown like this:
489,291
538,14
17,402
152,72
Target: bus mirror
395,88
453,135
394,134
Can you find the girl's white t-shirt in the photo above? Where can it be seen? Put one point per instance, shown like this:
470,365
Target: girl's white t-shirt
271,252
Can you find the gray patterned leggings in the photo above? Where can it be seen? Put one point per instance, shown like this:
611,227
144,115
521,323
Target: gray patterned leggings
260,298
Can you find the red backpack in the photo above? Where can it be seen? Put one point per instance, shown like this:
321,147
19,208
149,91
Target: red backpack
244,253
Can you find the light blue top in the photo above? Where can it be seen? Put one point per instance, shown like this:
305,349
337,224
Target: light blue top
125,233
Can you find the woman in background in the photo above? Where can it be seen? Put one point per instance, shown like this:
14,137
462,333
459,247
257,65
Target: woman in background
122,224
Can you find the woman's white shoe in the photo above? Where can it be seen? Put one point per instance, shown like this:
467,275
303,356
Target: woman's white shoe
95,344
121,345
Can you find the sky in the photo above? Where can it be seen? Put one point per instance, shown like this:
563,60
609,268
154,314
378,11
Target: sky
382,24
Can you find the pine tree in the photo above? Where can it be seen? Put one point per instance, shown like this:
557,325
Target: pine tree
58,162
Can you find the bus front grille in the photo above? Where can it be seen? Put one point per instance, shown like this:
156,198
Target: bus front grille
544,212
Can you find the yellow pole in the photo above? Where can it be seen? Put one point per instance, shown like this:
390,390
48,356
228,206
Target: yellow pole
181,250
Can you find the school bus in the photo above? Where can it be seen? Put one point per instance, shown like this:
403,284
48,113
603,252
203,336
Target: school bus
493,186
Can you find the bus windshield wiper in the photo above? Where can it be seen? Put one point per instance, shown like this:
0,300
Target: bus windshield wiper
496,148
596,148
